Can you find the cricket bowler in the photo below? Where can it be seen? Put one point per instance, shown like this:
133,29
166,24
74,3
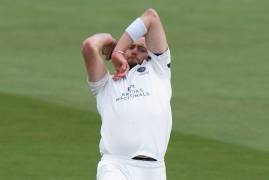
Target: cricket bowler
133,102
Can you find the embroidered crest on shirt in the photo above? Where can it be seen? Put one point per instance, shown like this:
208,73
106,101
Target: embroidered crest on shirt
142,70
132,93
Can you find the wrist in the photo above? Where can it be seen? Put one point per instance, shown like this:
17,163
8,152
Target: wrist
118,58
117,55
136,29
119,52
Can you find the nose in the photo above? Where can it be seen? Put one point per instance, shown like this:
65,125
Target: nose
134,51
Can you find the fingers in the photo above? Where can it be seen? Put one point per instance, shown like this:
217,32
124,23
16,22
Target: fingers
122,72
118,76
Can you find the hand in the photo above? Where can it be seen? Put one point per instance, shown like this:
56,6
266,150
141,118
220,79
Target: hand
108,49
122,72
121,65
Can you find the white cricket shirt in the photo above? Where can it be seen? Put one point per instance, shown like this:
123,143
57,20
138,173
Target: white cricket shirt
135,111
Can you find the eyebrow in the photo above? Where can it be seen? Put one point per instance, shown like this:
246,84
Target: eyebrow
138,45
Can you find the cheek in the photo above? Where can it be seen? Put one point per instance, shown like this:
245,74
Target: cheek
145,55
126,55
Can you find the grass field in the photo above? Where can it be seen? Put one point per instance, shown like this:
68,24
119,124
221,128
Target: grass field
49,126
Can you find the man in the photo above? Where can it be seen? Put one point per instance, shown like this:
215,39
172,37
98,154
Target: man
134,104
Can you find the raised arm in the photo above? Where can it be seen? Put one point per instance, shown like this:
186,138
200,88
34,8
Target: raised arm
155,38
151,27
155,35
91,48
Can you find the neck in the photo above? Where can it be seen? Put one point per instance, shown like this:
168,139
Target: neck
131,66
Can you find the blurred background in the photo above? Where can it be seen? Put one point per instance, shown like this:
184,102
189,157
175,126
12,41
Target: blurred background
49,126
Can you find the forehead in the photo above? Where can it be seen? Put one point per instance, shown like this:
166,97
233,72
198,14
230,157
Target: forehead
140,42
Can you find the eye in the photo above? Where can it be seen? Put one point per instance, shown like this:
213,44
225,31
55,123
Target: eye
132,47
142,49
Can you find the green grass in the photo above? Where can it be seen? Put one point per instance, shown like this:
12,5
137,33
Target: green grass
49,127
41,140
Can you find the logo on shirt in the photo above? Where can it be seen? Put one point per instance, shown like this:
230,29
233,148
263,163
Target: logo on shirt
141,69
132,93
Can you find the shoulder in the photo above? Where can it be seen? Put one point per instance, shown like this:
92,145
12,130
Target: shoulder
98,86
160,63
160,56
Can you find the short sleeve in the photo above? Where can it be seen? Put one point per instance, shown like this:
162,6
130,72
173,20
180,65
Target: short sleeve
161,63
97,86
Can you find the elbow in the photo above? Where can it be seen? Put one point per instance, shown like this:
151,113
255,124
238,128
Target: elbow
152,13
88,44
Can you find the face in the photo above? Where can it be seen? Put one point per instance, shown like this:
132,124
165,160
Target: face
136,53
